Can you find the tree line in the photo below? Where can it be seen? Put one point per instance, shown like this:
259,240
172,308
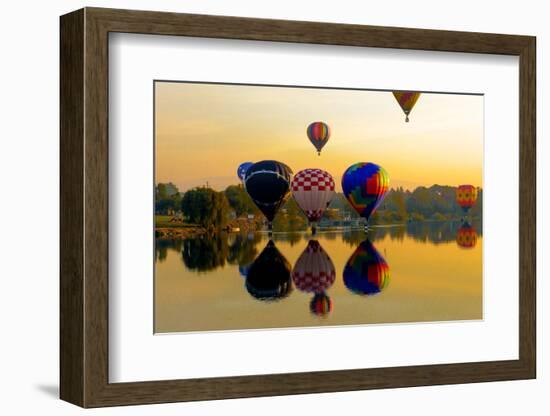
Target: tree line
212,209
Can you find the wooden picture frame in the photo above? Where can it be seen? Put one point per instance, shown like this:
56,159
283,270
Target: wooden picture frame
84,207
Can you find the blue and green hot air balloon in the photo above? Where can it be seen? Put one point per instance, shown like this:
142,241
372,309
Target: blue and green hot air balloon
365,185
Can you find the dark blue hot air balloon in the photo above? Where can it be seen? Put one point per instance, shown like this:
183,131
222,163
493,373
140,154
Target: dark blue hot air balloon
268,184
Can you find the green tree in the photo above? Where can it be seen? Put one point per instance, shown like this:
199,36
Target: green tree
205,207
167,198
240,201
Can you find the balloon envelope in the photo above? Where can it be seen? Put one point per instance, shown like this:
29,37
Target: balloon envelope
365,186
318,134
268,184
466,196
406,100
313,190
269,276
241,170
314,271
366,272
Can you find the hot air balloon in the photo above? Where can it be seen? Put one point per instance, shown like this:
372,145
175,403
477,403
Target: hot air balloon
269,275
241,170
318,133
365,186
313,190
314,271
466,236
321,305
406,100
366,272
466,196
268,184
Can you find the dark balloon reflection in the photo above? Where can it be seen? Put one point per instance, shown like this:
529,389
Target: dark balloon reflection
314,272
466,236
269,278
366,272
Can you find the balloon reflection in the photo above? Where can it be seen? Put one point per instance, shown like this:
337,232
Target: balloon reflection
314,272
268,184
466,236
321,305
269,275
366,272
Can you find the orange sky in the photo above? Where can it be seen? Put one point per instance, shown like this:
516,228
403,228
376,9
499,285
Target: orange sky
204,131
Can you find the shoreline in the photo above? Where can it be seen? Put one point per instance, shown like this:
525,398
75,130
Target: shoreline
195,231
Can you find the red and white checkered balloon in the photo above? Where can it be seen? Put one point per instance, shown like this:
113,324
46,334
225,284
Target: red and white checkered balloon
314,271
313,190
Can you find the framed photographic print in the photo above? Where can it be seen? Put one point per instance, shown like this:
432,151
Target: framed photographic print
255,207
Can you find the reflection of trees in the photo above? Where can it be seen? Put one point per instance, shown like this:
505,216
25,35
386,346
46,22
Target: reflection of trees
292,237
269,276
330,235
162,245
353,237
434,232
205,253
243,250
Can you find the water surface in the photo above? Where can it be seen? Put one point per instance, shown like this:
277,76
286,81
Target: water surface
417,272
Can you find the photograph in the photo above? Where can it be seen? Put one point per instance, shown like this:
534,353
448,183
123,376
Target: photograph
295,206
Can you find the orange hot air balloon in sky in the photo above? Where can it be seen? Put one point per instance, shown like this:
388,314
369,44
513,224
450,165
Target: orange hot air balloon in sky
406,100
466,196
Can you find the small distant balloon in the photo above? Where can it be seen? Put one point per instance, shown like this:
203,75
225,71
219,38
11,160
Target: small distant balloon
366,272
268,184
318,134
241,170
313,189
466,236
406,100
365,185
466,196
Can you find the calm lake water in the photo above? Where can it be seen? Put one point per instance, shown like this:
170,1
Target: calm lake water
414,273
